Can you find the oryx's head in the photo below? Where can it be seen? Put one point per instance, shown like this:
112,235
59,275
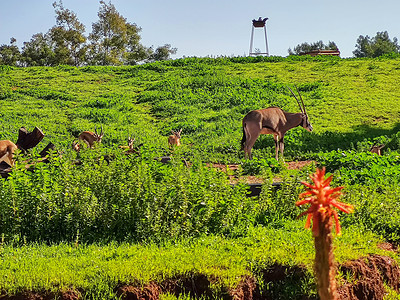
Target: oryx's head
305,120
306,123
98,136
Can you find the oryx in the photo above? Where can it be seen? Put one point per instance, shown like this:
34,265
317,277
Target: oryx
272,120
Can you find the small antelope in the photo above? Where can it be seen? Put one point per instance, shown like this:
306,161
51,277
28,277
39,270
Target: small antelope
91,137
272,120
7,149
377,149
175,138
130,148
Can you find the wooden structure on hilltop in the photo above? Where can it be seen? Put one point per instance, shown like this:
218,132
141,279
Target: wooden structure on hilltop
322,52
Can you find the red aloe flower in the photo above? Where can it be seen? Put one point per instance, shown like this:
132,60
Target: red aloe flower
322,199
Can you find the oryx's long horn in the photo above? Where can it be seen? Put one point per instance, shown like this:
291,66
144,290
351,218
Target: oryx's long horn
298,102
301,98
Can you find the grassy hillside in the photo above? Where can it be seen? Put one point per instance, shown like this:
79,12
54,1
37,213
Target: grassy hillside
348,101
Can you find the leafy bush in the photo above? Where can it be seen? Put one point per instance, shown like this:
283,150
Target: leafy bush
257,166
353,167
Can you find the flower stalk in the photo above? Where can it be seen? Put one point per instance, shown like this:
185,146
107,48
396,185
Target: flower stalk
321,212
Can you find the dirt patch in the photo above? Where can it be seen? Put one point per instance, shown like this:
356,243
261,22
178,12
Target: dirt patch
250,179
149,292
291,165
367,277
246,289
196,285
367,274
297,165
68,295
388,247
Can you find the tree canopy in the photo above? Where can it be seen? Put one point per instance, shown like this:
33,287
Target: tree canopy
376,46
68,37
9,54
113,41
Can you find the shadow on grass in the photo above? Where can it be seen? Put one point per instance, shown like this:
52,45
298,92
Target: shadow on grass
299,141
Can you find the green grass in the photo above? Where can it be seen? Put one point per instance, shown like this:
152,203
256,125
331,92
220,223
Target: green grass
100,269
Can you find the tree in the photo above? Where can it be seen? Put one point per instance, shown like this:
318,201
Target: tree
137,53
114,41
68,37
376,46
306,47
162,53
38,51
9,54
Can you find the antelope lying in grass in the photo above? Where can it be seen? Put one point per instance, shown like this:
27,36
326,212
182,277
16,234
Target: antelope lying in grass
130,149
377,149
89,137
175,138
130,144
7,149
272,120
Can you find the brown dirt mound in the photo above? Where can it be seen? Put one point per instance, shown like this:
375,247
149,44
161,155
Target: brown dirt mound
68,295
196,285
148,292
247,289
368,277
297,165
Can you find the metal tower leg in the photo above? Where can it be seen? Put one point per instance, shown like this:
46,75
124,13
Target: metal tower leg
266,41
251,40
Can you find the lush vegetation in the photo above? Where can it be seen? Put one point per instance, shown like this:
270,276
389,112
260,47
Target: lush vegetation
102,208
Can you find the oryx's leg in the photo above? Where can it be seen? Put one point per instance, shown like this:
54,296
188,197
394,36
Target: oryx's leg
87,143
7,156
252,131
282,146
9,159
277,145
4,156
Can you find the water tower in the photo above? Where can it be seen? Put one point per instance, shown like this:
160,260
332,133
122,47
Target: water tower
260,23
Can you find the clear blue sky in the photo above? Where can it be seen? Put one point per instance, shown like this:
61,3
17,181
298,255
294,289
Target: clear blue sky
219,27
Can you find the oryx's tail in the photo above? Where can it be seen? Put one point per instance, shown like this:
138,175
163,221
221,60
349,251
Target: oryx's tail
243,137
